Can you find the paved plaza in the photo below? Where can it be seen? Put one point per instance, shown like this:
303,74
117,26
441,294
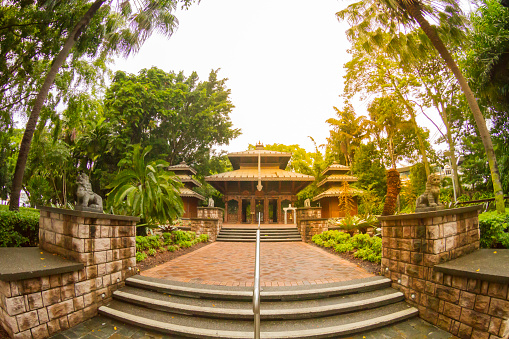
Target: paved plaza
282,264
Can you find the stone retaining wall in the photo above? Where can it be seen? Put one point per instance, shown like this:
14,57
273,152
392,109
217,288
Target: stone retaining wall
309,212
210,213
414,243
209,221
310,222
105,244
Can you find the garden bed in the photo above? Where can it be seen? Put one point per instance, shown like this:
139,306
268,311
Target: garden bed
162,257
361,249
371,267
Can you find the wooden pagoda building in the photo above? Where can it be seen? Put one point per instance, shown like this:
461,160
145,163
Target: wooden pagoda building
189,197
333,187
258,184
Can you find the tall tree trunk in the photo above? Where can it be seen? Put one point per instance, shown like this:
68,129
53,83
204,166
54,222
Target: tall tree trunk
59,60
439,105
452,155
415,11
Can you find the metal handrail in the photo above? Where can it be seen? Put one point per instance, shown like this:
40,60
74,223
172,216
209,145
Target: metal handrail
256,288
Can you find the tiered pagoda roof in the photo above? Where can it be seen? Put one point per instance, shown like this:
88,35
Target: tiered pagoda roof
245,168
336,175
185,173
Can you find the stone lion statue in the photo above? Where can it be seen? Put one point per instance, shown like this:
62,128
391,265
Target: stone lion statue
307,203
87,199
430,199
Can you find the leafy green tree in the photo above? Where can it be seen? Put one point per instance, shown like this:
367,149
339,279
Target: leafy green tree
124,31
181,117
388,119
368,167
487,61
146,190
368,16
347,132
381,73
309,163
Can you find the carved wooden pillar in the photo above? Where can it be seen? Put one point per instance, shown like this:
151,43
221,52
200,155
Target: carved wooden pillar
279,215
253,210
226,209
239,210
265,210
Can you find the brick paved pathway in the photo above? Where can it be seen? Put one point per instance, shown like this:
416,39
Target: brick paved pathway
282,264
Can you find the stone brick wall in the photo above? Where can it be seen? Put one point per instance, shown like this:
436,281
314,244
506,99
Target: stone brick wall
210,213
414,243
206,226
310,222
309,227
209,221
309,213
105,244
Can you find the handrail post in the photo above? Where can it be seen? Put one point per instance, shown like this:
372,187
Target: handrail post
256,289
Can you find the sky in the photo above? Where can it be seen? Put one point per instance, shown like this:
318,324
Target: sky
283,60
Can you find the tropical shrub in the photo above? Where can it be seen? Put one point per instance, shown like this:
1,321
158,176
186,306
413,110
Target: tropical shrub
185,244
154,242
146,190
494,229
19,229
167,238
152,251
172,248
203,237
140,256
352,223
141,243
364,246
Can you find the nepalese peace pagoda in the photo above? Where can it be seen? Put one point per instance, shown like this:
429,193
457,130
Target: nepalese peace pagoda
259,185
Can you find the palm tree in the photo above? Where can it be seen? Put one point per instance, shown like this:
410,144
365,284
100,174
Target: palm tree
387,116
375,16
147,191
347,132
135,28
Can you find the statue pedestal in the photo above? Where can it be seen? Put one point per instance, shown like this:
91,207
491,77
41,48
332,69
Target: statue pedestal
88,209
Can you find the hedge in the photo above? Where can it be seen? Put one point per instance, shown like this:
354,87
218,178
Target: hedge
19,229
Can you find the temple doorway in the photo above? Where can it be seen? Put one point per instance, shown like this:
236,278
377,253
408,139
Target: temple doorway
259,211
273,211
246,210
233,211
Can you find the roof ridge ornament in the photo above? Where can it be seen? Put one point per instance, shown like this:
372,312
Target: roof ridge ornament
259,146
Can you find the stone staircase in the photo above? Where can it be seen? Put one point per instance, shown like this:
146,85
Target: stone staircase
266,234
305,311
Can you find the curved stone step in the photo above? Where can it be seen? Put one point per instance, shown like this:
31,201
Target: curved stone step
201,327
256,228
269,310
303,292
261,240
276,236
261,234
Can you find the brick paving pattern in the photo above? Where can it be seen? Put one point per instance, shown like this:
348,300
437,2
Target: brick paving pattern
282,264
